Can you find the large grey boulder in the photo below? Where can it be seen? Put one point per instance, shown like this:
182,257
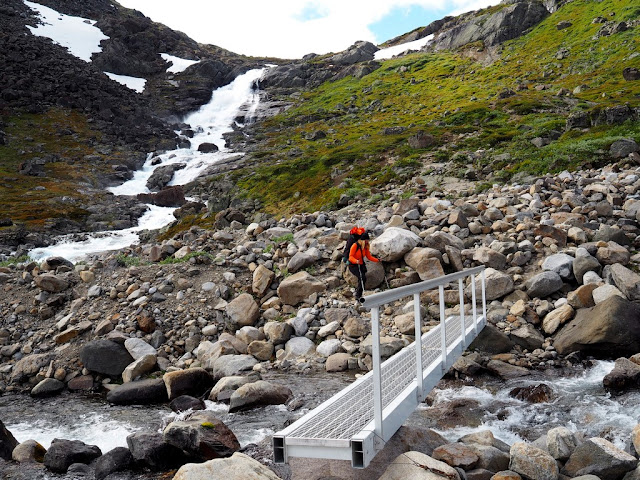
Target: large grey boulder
527,336
583,263
544,284
105,357
625,375
47,387
492,340
203,436
51,283
440,240
610,326
356,53
30,366
192,381
374,277
300,346
230,365
627,281
152,451
117,460
237,467
561,442
418,466
393,244
599,457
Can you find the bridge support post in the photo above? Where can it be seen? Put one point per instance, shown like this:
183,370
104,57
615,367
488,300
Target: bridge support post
473,303
418,345
377,372
443,328
462,325
484,296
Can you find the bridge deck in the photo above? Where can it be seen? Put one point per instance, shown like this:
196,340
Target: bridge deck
328,430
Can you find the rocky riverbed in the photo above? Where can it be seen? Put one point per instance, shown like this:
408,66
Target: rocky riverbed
214,314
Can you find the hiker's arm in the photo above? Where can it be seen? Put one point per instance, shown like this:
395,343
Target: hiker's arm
369,256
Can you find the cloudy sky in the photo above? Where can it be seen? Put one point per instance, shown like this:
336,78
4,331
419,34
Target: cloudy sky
293,28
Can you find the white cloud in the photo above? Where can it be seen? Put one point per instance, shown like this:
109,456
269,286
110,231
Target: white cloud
281,28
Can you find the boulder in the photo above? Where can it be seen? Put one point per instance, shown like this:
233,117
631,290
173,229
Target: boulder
203,436
456,455
505,370
490,258
142,392
597,456
583,263
7,442
539,393
262,350
610,326
604,292
561,442
388,346
298,287
532,462
560,263
419,467
627,281
51,283
374,278
29,366
624,376
117,460
298,346
338,362
262,279
186,402
139,367
258,393
527,336
47,387
554,319
230,384
193,381
105,357
491,340
544,284
152,451
243,311
329,347
613,253
138,348
63,453
238,467
497,285
29,451
393,244
441,240
230,365
278,332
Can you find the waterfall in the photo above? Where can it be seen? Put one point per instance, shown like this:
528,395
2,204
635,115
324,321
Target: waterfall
209,123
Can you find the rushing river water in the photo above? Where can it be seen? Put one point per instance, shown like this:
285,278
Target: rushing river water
579,403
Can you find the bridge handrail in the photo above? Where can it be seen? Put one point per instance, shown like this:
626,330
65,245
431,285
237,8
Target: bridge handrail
381,298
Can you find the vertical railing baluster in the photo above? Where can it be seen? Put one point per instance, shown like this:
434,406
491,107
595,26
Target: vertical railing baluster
418,346
443,328
484,298
377,377
473,303
462,325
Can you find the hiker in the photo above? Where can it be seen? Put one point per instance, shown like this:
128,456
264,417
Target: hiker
358,251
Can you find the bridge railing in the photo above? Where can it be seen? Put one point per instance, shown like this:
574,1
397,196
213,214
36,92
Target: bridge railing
384,426
357,422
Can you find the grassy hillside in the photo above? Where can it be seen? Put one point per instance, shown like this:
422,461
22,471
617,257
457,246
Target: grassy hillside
466,102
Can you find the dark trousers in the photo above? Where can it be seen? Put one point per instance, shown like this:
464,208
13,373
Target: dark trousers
360,272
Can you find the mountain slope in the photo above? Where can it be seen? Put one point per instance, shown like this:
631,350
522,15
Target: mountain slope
555,98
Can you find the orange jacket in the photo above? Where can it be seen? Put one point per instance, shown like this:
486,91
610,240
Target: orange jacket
357,254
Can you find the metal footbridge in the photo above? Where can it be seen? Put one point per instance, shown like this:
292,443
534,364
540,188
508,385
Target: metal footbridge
356,423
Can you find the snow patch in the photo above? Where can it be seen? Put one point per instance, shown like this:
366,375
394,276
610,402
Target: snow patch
134,83
79,35
178,64
387,53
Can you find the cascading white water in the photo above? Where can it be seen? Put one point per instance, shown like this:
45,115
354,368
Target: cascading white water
209,124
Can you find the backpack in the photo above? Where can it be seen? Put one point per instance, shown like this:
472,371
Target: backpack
354,235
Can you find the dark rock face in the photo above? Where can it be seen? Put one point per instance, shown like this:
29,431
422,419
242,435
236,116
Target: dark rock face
186,402
63,453
609,328
7,442
356,53
162,175
167,197
493,29
143,392
624,376
533,394
151,450
493,341
106,357
208,148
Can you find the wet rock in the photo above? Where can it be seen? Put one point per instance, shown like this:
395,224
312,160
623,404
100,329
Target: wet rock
599,457
142,392
186,402
230,384
203,436
393,244
611,326
117,460
193,381
152,451
492,341
531,462
540,393
624,376
298,287
505,370
63,453
7,442
105,357
238,467
29,451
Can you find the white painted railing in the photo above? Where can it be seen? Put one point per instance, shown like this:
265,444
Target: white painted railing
356,423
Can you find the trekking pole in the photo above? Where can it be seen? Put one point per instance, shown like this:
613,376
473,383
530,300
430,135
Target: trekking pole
361,299
385,278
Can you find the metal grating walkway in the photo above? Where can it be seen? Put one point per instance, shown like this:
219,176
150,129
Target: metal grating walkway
355,423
